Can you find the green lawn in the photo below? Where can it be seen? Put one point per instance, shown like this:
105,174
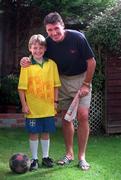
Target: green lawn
103,153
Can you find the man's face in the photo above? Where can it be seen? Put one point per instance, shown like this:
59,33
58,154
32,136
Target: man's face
55,31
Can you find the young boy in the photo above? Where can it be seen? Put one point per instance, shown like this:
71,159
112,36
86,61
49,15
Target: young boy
38,91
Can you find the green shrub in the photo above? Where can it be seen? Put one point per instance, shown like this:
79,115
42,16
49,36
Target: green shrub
104,34
105,30
8,90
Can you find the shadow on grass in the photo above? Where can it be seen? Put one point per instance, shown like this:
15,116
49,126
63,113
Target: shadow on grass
41,173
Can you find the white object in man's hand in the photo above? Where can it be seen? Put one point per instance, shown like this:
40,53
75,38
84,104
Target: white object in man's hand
72,110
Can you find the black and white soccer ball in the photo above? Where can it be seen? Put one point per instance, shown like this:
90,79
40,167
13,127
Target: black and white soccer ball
19,163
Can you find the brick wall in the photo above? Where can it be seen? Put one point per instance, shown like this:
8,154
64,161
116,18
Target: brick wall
11,120
17,120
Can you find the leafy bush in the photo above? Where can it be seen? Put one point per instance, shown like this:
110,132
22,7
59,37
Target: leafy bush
8,90
105,31
104,34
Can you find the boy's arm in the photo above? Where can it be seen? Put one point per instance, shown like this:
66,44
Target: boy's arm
25,108
55,97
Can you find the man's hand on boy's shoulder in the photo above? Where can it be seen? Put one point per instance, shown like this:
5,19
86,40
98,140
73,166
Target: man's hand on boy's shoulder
25,62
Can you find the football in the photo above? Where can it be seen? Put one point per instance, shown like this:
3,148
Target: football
19,163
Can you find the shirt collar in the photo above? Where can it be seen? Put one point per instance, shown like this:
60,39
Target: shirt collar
33,61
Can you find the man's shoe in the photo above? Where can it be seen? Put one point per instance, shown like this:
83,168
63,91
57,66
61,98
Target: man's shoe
65,160
83,165
48,162
34,164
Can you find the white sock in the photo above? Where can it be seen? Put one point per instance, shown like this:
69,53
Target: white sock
34,148
45,148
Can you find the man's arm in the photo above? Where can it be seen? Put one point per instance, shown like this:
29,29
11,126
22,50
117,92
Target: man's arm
85,88
91,65
25,62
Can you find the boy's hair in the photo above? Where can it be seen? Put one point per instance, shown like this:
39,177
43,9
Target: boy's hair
37,38
53,18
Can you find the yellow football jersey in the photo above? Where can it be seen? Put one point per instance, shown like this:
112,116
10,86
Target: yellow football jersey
39,82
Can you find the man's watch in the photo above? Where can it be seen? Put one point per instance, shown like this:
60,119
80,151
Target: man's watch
86,84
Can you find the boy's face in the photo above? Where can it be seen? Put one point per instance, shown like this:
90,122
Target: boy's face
37,50
55,31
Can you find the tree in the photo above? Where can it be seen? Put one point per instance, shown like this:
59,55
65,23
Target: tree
104,34
22,18
81,10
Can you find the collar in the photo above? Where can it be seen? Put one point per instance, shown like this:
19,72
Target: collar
33,61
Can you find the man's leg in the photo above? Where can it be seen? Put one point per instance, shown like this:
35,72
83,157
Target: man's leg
70,86
83,134
68,132
82,131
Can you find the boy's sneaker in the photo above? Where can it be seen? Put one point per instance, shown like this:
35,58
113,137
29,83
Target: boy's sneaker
48,162
34,164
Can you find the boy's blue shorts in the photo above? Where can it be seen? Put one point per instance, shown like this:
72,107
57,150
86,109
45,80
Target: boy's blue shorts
40,125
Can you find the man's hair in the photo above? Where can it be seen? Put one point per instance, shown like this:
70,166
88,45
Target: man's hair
53,18
37,38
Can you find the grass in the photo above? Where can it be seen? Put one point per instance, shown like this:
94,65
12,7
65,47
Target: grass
103,153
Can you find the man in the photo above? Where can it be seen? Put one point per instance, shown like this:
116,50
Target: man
76,65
